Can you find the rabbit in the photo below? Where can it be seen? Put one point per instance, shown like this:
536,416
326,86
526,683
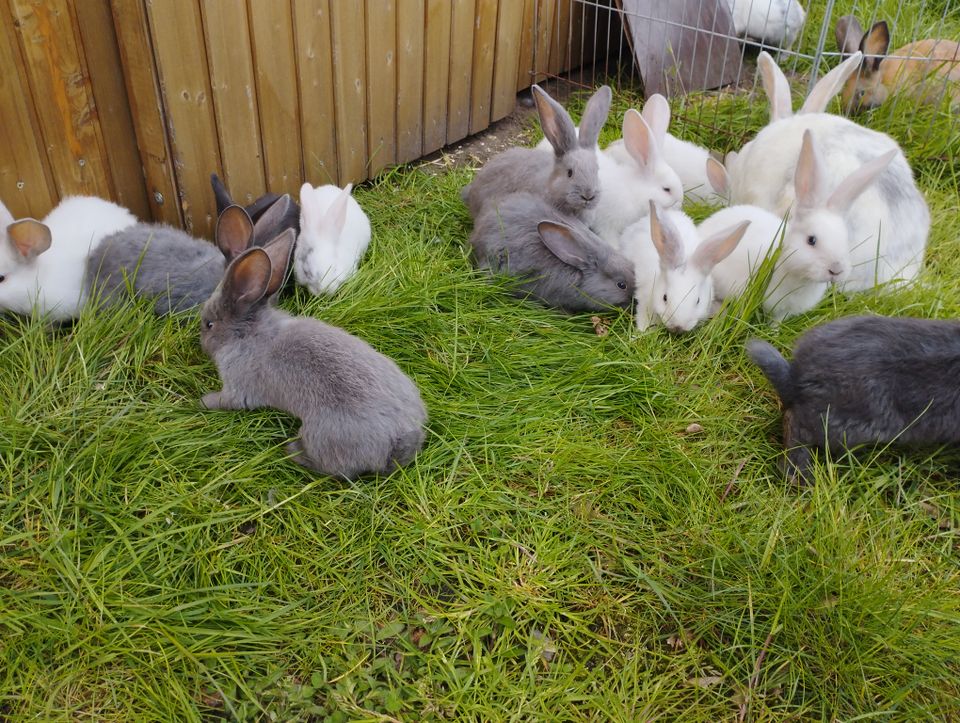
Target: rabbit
923,70
359,412
559,260
41,262
170,266
887,225
688,160
633,173
815,250
256,209
866,380
334,233
566,178
672,268
772,22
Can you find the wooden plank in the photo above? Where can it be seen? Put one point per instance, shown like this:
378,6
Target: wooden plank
102,57
349,92
410,32
382,100
182,63
546,20
66,109
275,66
26,185
527,41
230,57
146,108
560,39
436,73
484,45
506,59
318,120
462,20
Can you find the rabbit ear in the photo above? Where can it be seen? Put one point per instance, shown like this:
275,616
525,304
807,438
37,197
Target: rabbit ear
279,250
336,216
234,231
858,182
561,241
273,216
6,218
30,238
717,176
875,43
594,116
263,204
638,139
831,84
220,193
308,206
848,34
247,278
666,240
555,122
711,251
656,113
808,179
776,87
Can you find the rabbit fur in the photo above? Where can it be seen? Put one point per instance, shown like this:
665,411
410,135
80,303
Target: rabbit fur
558,259
773,22
866,380
334,234
359,412
262,234
566,177
42,263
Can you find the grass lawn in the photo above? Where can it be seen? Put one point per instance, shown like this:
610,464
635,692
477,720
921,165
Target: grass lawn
597,527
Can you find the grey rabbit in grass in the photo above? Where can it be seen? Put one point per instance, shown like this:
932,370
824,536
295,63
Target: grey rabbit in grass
171,266
558,259
290,219
360,413
567,176
866,379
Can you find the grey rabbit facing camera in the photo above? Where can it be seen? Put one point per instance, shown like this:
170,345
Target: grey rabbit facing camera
359,412
866,380
171,266
558,259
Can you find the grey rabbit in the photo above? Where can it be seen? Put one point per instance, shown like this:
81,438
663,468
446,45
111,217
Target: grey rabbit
360,413
290,218
567,177
171,266
561,261
866,379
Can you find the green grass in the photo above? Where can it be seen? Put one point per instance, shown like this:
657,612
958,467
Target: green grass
565,547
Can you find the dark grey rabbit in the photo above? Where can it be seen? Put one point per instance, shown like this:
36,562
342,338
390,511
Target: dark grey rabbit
171,266
360,414
563,262
866,379
567,177
290,219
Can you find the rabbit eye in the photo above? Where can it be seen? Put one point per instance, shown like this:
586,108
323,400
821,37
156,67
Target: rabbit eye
2,278
812,240
698,301
208,324
664,297
569,173
666,189
621,284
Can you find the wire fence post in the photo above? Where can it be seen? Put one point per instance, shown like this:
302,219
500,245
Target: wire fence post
821,42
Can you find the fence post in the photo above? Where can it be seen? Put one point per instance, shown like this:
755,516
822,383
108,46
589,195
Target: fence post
821,41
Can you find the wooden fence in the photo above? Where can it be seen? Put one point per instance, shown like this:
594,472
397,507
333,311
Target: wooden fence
139,100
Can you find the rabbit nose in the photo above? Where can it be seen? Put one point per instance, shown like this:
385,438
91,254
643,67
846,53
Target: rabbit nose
835,271
588,196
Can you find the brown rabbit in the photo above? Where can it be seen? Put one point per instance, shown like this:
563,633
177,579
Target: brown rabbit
923,70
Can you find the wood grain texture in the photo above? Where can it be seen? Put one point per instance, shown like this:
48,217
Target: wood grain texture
349,80
410,32
481,82
382,101
232,81
95,24
527,41
142,80
560,40
66,110
275,65
544,31
462,21
436,73
318,122
506,59
26,183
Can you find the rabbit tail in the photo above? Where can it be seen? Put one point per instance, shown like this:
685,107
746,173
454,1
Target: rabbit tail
774,367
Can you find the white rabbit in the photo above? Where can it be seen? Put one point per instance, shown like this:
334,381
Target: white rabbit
689,160
334,233
42,263
815,249
775,22
672,268
887,224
